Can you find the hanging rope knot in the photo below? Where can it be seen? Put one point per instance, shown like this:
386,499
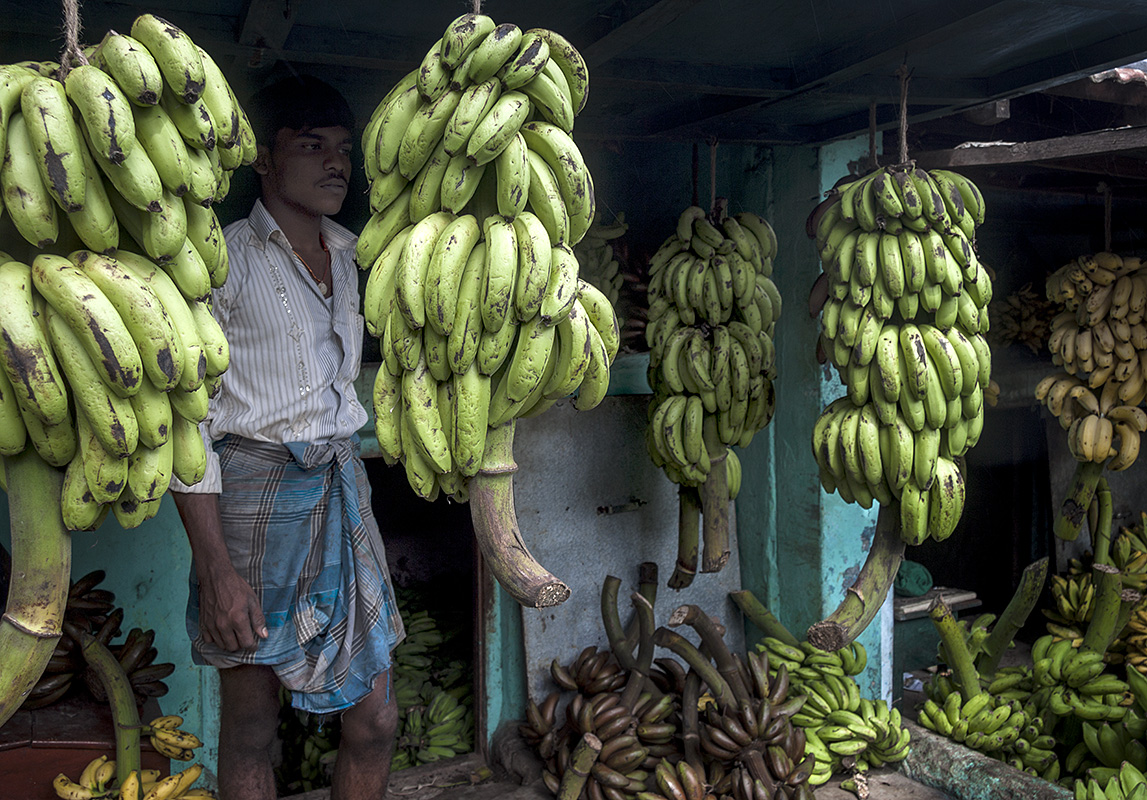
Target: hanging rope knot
903,74
72,56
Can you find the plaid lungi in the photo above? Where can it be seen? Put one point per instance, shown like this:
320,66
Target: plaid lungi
316,562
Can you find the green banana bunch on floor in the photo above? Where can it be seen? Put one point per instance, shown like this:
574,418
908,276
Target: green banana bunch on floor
598,257
479,193
1123,782
97,780
110,252
1002,729
903,318
837,721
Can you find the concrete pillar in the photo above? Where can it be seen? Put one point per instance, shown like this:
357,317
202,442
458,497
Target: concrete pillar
800,547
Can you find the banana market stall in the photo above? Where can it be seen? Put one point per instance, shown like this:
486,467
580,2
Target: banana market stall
594,363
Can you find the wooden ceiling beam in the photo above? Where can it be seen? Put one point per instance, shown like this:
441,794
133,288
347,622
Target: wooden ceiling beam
875,51
636,29
1075,146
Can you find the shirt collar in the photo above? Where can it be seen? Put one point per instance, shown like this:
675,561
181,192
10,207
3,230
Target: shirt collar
263,226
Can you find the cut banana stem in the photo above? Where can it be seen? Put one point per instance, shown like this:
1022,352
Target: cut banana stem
713,641
639,674
688,537
760,616
715,517
952,637
41,571
611,621
581,762
1074,508
1101,630
1015,615
496,527
647,586
863,599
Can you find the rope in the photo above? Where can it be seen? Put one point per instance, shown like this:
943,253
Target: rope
902,73
1105,190
72,27
477,6
696,172
713,174
872,159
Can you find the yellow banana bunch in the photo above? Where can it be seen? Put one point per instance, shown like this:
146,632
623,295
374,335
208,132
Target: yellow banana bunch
598,256
108,291
903,303
1099,338
479,193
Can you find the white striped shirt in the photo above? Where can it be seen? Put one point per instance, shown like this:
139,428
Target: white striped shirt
294,353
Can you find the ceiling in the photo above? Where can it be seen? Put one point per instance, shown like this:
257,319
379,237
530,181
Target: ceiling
737,70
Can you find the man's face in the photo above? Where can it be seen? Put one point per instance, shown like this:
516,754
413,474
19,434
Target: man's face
308,170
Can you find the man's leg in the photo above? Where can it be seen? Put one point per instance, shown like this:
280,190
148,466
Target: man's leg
367,745
249,723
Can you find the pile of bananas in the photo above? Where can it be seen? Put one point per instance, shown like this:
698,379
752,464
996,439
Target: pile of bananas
1100,429
702,723
846,732
903,322
1105,746
111,166
93,610
442,728
597,256
1002,729
98,778
474,289
1100,341
1023,317
713,309
1136,640
1127,782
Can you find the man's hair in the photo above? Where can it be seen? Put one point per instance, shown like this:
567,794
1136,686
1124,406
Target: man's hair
298,102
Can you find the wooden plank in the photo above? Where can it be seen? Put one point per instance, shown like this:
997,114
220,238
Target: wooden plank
1081,144
635,30
267,23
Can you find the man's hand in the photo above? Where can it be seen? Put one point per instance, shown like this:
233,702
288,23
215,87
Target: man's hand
229,612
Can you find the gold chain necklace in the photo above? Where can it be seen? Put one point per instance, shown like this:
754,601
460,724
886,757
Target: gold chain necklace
322,284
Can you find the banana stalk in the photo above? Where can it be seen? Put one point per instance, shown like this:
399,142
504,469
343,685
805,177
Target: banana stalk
863,599
1101,630
715,518
647,586
1101,525
959,657
1023,601
1074,508
611,621
639,672
496,527
714,643
41,570
581,762
690,719
722,692
125,714
688,522
1129,600
759,615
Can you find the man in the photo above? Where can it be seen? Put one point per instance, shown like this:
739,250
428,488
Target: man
289,582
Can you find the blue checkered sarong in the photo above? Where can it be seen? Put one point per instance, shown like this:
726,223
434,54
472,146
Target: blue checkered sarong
316,563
